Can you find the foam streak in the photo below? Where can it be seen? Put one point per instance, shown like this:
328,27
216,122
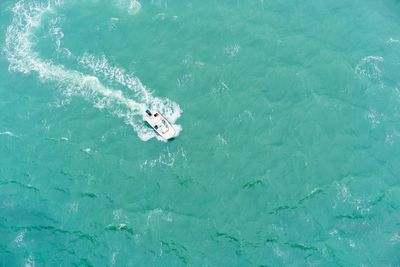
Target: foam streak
22,57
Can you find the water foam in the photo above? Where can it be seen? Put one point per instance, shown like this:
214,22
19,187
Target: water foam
369,67
57,35
100,67
393,41
132,6
8,133
21,56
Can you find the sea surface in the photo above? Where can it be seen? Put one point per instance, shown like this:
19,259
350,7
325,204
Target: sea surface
288,144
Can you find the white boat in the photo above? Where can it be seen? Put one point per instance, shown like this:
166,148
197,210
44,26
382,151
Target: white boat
160,124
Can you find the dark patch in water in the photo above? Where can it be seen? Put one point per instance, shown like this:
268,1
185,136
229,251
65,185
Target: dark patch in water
281,208
301,246
228,237
177,249
254,183
122,228
353,216
89,195
311,195
26,186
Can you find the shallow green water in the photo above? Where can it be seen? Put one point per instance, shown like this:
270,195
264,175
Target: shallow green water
289,152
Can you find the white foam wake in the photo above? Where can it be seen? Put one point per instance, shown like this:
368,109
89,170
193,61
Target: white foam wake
102,68
132,6
22,57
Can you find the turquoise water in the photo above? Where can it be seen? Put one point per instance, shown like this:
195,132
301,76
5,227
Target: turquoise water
288,150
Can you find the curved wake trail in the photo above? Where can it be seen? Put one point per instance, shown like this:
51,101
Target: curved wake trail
19,52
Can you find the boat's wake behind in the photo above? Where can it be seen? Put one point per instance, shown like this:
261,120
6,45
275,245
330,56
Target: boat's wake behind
19,51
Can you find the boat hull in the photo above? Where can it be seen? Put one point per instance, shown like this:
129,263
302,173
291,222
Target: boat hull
160,124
